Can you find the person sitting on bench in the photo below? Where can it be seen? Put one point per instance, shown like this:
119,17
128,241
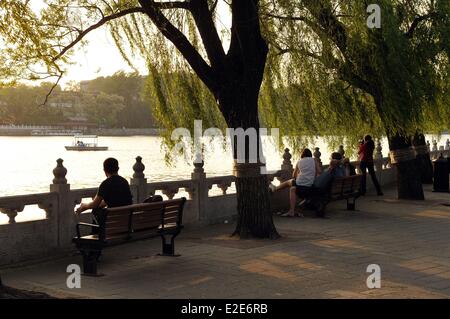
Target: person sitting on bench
114,191
305,171
322,183
335,169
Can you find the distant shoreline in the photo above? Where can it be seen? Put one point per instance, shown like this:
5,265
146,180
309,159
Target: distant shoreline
19,131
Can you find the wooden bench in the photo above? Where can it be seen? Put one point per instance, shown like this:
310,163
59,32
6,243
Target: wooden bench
128,223
346,188
341,188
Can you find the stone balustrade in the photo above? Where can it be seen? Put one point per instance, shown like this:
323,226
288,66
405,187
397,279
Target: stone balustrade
12,205
436,151
38,238
222,182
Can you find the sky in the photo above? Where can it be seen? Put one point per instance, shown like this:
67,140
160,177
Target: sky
100,57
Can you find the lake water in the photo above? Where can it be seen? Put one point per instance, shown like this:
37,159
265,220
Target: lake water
26,163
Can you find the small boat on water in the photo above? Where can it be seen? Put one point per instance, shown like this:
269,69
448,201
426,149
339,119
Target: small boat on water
86,143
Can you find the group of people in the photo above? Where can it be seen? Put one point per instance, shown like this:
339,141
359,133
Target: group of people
309,179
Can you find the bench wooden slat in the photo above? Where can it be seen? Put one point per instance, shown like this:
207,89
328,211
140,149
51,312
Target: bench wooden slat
132,222
108,238
342,188
170,220
144,226
171,214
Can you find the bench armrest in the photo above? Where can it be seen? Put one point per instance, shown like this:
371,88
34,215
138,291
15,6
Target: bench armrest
84,224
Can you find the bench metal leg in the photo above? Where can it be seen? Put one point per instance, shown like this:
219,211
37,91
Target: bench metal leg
90,258
168,248
351,204
319,207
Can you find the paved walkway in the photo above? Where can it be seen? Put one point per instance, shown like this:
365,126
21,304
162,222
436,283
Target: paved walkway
316,258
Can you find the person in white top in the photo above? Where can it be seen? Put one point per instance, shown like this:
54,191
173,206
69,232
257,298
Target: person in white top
305,172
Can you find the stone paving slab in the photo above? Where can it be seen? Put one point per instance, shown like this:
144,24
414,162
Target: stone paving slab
316,258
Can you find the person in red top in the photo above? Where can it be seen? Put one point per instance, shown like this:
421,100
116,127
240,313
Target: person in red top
365,152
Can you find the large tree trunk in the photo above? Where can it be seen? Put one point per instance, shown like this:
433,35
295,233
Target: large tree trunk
254,215
423,159
239,86
402,155
409,183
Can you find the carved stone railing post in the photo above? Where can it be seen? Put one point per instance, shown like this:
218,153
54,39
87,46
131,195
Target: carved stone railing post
65,217
379,158
224,186
357,167
378,161
170,192
11,213
199,193
138,182
317,155
286,167
435,146
341,150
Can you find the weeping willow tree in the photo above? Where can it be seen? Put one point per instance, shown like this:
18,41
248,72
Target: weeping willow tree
178,39
349,78
326,73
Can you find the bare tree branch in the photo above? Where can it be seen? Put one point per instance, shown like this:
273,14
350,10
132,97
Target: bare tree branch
95,26
214,6
290,18
205,25
183,45
417,21
53,88
171,5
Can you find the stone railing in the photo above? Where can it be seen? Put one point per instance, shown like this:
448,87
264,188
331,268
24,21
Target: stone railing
28,127
210,200
12,205
436,151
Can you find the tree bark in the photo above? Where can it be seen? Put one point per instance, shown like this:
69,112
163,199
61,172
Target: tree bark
409,183
240,105
240,81
254,217
423,159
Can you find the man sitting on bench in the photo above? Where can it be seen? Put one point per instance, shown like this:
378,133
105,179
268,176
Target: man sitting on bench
114,191
322,183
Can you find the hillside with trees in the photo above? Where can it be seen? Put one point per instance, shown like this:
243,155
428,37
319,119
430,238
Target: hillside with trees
114,101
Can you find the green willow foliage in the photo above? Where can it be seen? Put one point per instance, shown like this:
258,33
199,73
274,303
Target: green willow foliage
178,98
28,43
327,73
331,74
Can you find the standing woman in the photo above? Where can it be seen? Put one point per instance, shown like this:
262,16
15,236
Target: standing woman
365,152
